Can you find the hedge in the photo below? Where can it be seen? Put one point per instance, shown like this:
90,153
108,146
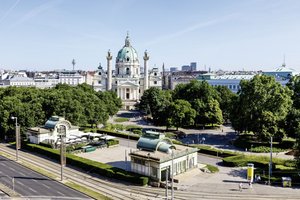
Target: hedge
86,164
214,152
121,135
248,141
112,142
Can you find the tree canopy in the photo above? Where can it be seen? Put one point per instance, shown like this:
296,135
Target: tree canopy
261,106
80,105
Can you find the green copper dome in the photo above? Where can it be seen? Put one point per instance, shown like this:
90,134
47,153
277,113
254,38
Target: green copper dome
127,53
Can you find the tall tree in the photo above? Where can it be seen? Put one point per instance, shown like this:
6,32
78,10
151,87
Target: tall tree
155,102
180,114
225,100
261,106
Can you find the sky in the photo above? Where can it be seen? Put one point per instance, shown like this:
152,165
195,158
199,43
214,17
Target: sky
217,34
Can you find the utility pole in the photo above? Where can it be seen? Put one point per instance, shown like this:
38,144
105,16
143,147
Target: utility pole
18,137
172,180
62,133
167,184
270,164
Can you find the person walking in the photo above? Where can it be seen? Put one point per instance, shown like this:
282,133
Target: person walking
241,186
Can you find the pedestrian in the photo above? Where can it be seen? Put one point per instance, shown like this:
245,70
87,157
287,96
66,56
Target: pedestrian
241,186
250,185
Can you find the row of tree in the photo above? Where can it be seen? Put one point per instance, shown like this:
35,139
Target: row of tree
81,105
262,106
194,104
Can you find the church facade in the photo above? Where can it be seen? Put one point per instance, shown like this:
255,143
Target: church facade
129,80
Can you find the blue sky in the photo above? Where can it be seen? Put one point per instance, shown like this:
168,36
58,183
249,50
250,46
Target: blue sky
221,34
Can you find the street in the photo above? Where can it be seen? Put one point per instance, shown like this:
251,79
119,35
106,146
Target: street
31,184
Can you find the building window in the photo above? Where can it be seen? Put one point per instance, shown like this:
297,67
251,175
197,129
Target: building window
155,82
99,82
127,93
139,90
100,73
155,74
127,70
116,82
153,172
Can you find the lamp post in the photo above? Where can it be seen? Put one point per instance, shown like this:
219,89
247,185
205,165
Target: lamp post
62,133
17,131
172,178
270,164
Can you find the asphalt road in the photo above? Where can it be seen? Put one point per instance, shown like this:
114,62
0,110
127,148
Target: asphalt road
31,184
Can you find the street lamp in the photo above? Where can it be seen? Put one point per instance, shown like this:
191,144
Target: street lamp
172,179
62,133
270,163
17,131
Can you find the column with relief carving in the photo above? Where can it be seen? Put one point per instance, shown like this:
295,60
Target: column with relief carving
146,76
109,71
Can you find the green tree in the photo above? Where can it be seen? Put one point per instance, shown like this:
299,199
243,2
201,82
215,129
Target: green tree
203,98
225,99
261,107
180,114
208,112
155,102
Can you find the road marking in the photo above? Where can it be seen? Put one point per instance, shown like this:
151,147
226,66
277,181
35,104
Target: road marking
22,173
60,193
12,169
21,183
32,190
45,185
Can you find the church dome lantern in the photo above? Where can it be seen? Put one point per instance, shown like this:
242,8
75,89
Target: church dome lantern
127,53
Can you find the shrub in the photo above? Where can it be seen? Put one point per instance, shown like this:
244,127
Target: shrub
138,132
264,149
212,168
214,152
121,119
112,142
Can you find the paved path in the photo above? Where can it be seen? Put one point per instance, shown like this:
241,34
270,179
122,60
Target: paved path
218,138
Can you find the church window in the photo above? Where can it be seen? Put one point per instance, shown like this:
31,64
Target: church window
155,74
139,82
127,93
127,70
118,70
100,73
127,59
116,82
99,82
139,90
155,82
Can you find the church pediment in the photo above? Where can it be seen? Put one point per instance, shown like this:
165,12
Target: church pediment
128,84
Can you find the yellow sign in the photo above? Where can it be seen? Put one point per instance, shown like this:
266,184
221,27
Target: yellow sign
250,172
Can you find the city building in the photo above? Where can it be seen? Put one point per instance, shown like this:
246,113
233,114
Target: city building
282,74
127,80
16,79
157,154
231,81
49,133
191,67
71,77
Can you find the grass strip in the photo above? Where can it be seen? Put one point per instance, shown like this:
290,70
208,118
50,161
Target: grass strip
87,191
